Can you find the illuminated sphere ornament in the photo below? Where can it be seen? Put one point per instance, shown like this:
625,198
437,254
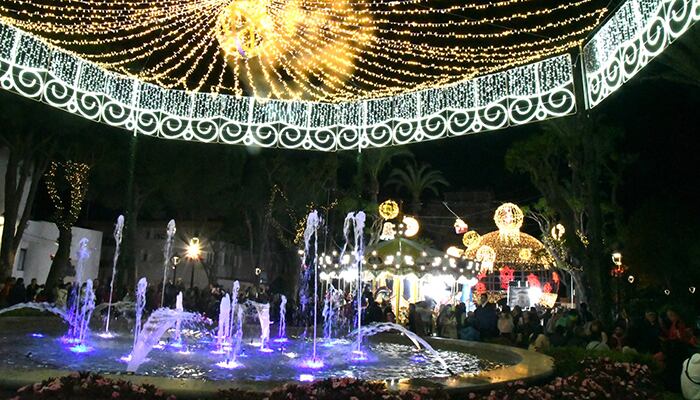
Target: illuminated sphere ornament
389,209
525,254
691,289
411,226
470,239
460,226
667,292
558,231
509,220
486,254
630,279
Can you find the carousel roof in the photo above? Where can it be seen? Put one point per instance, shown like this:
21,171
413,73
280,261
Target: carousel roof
516,250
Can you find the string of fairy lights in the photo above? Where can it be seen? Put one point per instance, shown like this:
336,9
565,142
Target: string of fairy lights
319,50
75,175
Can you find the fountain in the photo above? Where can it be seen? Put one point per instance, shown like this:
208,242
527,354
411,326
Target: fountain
167,253
282,332
383,349
118,228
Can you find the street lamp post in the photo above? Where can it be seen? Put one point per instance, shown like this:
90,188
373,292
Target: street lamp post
192,253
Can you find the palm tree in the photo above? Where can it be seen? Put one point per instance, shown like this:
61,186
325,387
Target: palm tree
416,179
373,163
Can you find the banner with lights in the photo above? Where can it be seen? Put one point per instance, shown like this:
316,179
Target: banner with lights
636,33
534,92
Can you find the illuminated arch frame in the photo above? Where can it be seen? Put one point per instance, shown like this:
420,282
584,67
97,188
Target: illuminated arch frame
636,33
42,72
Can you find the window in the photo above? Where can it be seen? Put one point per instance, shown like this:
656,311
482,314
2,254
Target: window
21,257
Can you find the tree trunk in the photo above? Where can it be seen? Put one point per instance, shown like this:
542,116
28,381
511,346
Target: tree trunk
127,260
60,266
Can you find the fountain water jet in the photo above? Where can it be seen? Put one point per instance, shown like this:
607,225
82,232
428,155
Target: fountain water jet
263,310
223,333
178,328
167,253
313,222
418,341
118,241
155,327
357,222
282,332
140,305
80,308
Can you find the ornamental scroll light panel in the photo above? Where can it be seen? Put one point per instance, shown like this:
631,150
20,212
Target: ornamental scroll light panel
534,92
638,31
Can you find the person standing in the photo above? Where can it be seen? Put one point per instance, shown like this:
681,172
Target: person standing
18,293
32,290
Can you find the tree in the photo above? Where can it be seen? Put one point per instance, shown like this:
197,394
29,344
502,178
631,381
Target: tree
67,185
29,142
416,179
373,162
682,59
575,164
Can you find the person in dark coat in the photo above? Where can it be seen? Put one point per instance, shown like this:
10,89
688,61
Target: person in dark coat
18,293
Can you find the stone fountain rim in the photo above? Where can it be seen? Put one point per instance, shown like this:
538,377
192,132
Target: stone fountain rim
531,366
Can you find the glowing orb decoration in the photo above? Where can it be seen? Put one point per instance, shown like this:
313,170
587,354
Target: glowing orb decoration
411,226
691,289
241,27
389,209
630,279
470,239
558,231
460,226
388,231
454,251
525,254
509,220
486,254
667,292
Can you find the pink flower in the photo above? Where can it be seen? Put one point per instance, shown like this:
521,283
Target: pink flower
115,395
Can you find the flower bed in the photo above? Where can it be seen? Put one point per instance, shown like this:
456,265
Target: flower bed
336,389
599,378
89,386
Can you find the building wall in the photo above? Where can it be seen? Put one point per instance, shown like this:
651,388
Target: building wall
38,245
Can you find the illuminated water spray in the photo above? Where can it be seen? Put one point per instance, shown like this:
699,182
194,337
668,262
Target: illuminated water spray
118,228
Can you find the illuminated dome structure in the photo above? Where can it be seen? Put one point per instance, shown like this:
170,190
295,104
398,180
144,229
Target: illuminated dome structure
526,252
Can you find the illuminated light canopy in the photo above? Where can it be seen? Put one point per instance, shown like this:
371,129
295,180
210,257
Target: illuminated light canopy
524,94
636,33
508,252
318,50
412,226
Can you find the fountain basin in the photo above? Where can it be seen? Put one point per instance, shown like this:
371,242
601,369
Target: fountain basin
196,374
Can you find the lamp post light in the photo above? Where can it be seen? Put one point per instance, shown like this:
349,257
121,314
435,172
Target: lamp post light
192,252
